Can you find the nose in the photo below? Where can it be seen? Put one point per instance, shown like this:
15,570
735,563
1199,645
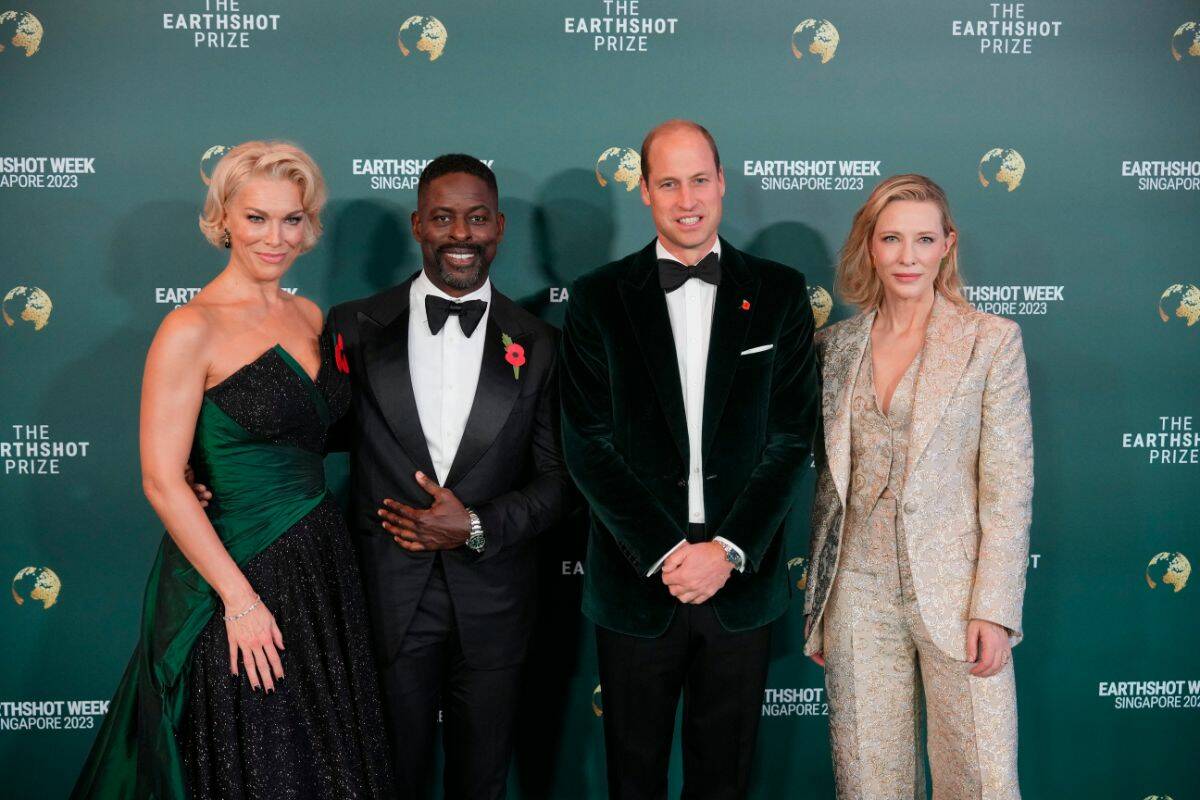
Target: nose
686,199
907,254
274,233
460,230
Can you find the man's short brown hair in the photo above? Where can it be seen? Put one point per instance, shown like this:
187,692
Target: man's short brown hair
669,125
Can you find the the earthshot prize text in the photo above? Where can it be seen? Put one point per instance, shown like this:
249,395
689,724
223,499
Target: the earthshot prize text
1175,442
34,453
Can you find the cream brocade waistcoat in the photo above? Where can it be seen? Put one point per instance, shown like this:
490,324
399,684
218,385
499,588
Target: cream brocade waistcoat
878,443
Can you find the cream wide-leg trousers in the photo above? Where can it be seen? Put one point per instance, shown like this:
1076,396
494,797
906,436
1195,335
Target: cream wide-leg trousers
882,669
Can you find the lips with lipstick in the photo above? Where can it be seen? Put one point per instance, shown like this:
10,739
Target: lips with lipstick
272,258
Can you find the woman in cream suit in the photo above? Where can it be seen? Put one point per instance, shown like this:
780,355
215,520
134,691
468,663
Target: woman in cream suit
920,528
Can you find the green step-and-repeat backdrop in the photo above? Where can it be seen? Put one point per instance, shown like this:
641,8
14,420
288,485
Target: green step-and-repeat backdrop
1067,135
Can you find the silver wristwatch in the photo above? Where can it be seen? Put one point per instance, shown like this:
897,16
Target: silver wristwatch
477,540
733,556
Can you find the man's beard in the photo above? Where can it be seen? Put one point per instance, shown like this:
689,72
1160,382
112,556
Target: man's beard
463,279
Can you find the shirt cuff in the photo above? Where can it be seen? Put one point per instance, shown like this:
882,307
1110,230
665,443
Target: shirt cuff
736,549
658,564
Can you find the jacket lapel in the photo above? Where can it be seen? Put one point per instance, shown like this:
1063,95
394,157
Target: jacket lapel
730,323
949,342
496,391
385,355
647,308
842,360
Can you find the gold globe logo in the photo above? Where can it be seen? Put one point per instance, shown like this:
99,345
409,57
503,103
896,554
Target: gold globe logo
817,37
619,165
1168,569
36,584
26,306
27,31
208,161
821,303
597,707
426,34
1186,41
1001,165
801,563
1180,301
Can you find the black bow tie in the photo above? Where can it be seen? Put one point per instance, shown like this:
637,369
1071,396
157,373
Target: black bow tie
437,309
672,274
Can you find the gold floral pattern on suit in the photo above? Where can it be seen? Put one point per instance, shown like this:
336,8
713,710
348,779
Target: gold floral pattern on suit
898,562
968,486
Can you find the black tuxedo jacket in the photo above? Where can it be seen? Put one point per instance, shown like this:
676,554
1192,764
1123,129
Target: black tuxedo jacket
508,468
625,433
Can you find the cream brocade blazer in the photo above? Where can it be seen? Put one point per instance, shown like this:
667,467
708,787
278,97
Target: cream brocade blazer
968,485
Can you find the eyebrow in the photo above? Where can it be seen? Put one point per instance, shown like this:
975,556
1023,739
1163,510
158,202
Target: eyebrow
919,233
469,210
260,212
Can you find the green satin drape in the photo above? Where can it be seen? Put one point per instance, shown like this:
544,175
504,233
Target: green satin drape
262,490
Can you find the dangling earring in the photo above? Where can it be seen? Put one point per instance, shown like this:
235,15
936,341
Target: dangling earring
225,240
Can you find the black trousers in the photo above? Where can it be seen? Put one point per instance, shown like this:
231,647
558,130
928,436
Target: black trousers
478,707
722,676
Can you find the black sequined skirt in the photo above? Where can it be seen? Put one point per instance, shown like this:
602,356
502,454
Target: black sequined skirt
320,734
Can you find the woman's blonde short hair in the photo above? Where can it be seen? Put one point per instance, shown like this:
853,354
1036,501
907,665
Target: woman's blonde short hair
272,159
856,281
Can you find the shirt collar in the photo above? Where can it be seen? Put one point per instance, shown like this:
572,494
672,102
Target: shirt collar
663,252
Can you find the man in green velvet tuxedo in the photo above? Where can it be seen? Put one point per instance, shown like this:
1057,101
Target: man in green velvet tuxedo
689,404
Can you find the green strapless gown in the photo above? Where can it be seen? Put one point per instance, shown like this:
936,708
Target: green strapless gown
180,725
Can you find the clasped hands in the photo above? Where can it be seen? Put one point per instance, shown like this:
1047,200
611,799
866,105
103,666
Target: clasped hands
695,572
445,525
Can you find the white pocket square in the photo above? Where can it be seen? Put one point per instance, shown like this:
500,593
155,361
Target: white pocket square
758,349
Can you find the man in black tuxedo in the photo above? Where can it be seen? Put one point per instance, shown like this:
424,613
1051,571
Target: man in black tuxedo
689,406
456,467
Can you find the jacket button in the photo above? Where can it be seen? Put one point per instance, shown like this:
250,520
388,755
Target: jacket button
910,508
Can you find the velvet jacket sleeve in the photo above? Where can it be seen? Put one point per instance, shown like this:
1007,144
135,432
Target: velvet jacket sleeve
642,527
528,511
759,511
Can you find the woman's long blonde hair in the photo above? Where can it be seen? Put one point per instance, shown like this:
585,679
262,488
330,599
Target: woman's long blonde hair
856,280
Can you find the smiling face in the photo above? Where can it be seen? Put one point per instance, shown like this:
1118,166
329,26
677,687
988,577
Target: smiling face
266,225
458,227
684,192
907,248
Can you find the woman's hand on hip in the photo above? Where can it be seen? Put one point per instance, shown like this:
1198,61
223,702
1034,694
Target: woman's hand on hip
987,647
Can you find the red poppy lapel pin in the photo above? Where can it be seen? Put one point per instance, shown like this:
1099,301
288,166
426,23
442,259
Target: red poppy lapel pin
339,356
745,305
514,354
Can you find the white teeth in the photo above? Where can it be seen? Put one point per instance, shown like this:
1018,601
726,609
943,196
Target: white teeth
689,220
463,257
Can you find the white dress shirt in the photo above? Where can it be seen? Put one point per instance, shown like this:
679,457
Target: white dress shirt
444,370
690,308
